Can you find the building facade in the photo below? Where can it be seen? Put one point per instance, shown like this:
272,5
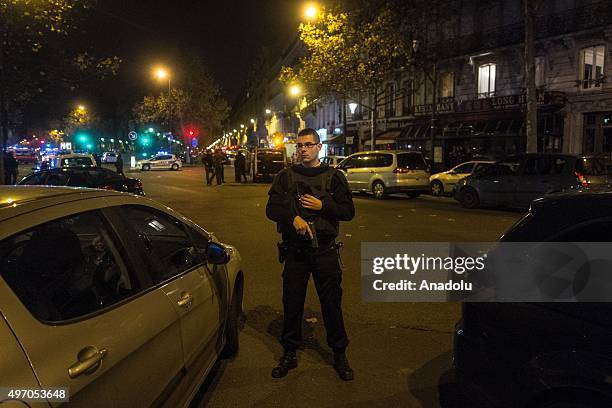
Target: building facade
477,83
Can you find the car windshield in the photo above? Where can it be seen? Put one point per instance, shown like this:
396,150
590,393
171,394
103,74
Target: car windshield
76,161
592,166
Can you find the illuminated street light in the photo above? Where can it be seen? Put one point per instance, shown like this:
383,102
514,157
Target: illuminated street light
268,111
353,107
162,74
241,126
295,90
151,130
253,121
81,108
311,11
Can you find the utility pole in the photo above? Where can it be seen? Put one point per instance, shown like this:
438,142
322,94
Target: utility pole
373,119
433,112
531,121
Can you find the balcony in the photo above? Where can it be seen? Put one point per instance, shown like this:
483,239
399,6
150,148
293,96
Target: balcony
573,20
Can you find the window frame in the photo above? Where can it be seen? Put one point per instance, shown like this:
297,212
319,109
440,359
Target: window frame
121,245
154,270
490,92
592,82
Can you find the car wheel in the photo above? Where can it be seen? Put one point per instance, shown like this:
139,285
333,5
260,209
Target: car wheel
232,330
378,190
413,194
175,167
437,188
146,167
469,198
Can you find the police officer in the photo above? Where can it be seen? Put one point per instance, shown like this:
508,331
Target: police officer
307,201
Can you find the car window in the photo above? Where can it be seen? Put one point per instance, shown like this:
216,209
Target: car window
381,160
465,168
412,161
56,179
506,167
364,160
155,158
592,166
66,268
537,166
78,179
34,179
165,239
76,161
351,162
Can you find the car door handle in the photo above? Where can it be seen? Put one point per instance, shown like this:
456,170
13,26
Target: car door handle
89,360
185,300
372,171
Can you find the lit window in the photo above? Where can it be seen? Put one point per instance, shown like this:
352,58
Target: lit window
486,80
447,85
592,66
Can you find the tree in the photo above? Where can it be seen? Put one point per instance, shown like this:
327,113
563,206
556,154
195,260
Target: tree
350,55
36,53
197,101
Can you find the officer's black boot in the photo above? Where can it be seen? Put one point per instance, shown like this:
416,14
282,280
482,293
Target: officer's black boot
341,364
287,362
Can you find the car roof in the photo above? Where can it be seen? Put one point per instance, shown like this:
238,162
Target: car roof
585,204
15,200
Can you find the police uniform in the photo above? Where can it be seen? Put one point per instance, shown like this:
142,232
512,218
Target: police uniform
302,259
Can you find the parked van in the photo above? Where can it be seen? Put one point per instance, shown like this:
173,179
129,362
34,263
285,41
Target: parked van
383,172
266,163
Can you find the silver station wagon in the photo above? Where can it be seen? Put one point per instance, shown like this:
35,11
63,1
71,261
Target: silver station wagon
385,172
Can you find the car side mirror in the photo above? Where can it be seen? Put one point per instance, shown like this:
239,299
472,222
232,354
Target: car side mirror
216,254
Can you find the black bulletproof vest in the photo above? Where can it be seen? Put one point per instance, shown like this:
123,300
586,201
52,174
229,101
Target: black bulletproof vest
318,186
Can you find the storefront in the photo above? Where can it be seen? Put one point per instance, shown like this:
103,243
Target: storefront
488,128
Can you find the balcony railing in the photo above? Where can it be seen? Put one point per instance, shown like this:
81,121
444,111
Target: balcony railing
573,20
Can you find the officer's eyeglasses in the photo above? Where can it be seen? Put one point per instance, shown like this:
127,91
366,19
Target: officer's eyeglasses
307,145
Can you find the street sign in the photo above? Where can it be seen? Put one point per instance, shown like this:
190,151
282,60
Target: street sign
169,136
133,135
194,142
349,140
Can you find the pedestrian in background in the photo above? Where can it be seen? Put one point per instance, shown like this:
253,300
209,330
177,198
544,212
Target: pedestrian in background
218,165
209,170
11,166
240,167
307,201
119,164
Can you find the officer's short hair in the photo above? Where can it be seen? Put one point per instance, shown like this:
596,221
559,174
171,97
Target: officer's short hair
311,132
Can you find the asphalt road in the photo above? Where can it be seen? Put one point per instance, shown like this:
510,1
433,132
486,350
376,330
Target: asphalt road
401,352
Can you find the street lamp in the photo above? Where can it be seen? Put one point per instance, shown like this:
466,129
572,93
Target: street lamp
161,74
295,90
241,126
253,121
311,11
268,111
352,107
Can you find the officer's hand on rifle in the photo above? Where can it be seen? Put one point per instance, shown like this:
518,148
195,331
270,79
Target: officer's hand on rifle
301,226
311,202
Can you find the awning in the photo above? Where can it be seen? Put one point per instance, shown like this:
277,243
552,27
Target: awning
387,137
339,140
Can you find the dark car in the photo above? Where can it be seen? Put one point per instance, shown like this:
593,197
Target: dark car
542,354
267,163
516,181
92,177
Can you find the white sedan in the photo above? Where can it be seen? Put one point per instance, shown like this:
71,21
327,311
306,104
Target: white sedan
444,183
161,161
113,296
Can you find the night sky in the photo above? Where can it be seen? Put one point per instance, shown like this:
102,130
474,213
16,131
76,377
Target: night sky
226,33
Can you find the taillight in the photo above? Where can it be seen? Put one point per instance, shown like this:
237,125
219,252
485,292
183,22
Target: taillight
581,179
401,170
